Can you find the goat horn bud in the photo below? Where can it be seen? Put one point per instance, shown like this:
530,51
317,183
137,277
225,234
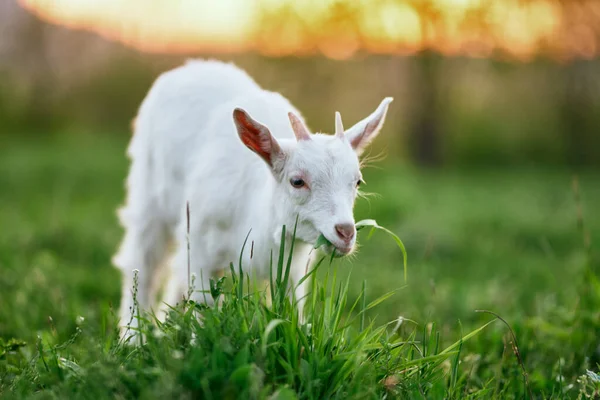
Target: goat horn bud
298,127
339,127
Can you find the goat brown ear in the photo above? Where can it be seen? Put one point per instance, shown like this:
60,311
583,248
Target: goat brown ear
256,136
361,134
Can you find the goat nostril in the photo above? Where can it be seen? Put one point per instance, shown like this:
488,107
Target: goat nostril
345,231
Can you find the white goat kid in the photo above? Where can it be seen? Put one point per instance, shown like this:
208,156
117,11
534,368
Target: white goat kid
185,149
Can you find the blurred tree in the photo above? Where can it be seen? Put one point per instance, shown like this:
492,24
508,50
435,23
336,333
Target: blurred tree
27,70
578,113
579,105
425,130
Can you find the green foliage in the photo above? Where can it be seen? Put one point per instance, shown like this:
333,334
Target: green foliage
508,241
238,348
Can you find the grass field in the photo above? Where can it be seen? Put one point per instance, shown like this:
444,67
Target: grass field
516,242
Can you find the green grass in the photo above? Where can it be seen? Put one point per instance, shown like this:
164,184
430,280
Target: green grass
509,241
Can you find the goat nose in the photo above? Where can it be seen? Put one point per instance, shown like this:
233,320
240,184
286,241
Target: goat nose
345,231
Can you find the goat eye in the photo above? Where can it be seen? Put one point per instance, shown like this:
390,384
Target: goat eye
297,183
358,183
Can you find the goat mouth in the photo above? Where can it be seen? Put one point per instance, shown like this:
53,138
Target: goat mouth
341,251
331,247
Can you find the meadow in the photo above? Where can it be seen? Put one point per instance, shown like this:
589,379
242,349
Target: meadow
520,242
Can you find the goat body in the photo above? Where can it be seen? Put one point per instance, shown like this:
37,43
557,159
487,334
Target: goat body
191,145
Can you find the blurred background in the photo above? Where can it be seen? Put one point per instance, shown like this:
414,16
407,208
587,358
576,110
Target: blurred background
490,168
476,82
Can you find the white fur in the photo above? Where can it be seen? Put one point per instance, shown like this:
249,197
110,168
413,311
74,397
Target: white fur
186,149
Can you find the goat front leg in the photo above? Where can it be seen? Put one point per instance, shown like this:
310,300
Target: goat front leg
201,265
302,262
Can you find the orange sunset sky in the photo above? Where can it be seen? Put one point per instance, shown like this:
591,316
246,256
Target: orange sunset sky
338,28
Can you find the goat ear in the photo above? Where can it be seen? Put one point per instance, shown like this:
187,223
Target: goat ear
361,134
256,136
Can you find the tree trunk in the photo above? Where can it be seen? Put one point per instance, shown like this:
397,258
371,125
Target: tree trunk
577,113
425,130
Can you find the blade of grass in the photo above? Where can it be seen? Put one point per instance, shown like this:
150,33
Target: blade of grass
515,348
374,225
